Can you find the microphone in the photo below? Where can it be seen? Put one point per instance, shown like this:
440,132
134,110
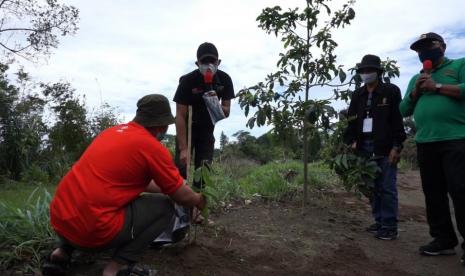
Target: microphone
427,66
208,79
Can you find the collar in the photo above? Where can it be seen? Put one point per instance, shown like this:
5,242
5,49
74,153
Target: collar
446,62
364,90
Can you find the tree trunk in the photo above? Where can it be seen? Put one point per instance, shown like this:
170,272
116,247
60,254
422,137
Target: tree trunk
305,160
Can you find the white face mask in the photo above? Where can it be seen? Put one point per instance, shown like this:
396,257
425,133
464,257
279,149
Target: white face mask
203,68
369,78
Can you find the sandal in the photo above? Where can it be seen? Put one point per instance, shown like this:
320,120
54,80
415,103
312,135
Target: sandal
137,270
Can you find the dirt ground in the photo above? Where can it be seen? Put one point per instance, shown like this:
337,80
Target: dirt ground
329,239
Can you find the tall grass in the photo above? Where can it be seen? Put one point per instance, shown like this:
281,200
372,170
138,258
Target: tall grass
274,181
25,231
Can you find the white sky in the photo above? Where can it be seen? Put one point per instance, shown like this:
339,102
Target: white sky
127,49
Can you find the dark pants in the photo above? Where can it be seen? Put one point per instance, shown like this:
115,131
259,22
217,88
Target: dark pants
384,201
145,219
203,143
442,170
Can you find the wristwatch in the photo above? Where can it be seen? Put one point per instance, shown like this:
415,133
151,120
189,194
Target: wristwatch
438,87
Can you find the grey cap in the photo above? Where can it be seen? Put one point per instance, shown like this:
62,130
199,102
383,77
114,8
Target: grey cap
154,110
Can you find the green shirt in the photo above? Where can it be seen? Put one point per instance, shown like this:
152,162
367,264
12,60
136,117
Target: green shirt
438,117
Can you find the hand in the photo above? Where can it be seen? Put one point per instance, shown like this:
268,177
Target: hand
211,93
183,156
428,84
394,157
202,202
354,145
423,77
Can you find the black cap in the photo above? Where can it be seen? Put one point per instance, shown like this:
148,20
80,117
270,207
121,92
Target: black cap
207,49
370,61
154,110
428,37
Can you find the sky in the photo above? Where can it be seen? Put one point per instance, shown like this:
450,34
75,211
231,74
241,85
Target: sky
124,50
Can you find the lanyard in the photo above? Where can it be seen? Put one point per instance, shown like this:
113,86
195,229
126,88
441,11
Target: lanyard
369,104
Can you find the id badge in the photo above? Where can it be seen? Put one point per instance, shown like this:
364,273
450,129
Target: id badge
367,125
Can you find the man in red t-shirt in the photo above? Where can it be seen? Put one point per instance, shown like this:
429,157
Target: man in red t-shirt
98,204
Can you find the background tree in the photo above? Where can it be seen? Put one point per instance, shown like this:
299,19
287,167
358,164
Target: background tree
21,125
224,140
283,98
70,133
30,28
103,117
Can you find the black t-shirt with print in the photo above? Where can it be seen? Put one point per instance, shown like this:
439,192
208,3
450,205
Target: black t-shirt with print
190,90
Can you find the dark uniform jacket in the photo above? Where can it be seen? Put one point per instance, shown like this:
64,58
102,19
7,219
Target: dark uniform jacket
388,129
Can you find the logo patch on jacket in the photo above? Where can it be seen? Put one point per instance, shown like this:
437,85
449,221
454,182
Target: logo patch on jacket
449,73
383,102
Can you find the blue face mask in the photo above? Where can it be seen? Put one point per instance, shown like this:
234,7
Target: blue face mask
432,54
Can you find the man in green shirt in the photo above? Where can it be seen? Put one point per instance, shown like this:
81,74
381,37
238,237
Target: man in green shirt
436,99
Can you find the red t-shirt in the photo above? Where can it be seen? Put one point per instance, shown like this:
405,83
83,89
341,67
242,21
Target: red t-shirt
89,203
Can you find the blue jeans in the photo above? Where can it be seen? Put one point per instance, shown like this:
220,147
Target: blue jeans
384,202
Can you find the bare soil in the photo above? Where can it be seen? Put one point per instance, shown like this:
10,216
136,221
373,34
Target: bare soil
327,239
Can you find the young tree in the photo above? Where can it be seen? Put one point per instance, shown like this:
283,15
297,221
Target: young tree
30,28
283,98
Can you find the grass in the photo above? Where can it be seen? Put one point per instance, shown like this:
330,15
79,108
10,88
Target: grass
25,231
15,194
273,181
24,208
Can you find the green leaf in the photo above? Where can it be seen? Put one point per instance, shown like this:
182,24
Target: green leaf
198,174
261,117
344,161
342,75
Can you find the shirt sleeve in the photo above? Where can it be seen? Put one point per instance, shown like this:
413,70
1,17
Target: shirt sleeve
228,88
182,92
462,80
162,169
397,124
407,105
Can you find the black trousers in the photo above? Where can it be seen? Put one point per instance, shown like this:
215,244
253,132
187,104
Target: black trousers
442,170
145,219
203,144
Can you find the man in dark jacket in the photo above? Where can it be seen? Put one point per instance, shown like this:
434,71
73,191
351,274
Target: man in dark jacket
375,130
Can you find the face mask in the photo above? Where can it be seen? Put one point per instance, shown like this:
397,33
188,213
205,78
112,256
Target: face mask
205,67
369,78
432,54
161,136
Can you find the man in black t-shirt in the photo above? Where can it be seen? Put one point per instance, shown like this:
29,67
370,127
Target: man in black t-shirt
190,91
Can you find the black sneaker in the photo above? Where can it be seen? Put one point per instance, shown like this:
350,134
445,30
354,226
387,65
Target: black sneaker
374,228
436,248
387,234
